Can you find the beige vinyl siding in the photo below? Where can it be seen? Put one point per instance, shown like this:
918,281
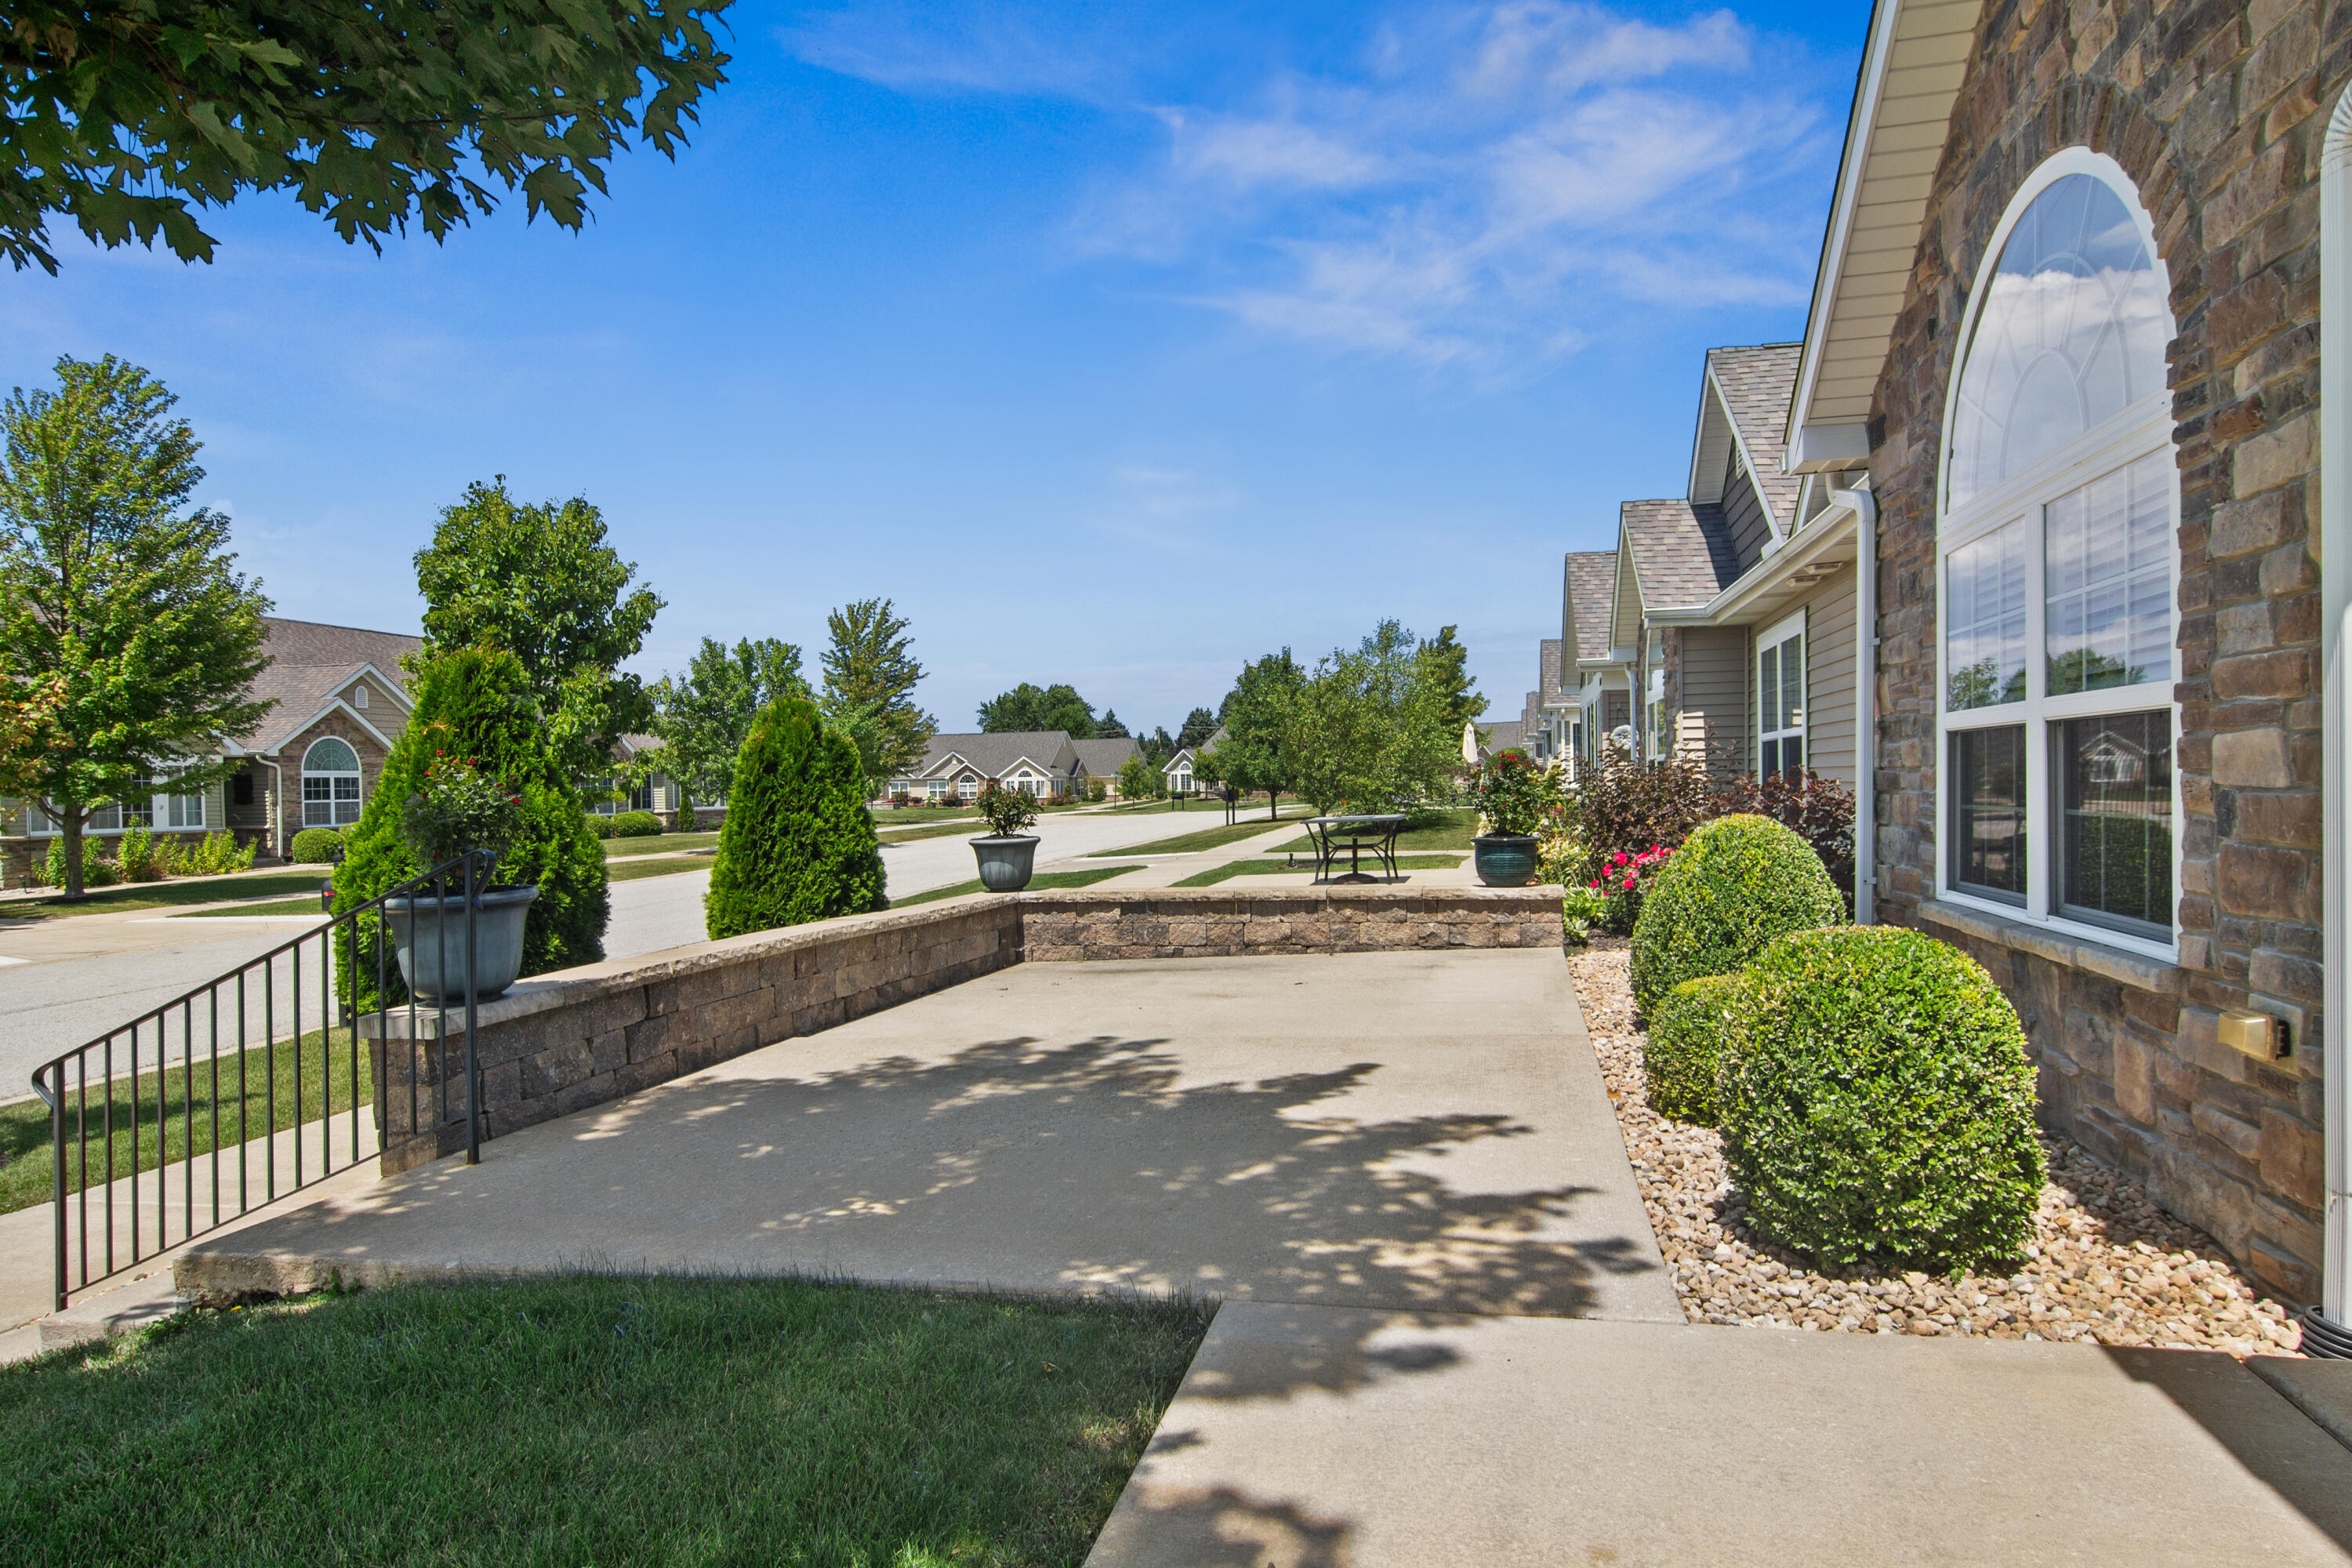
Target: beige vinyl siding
1828,678
1714,715
1743,514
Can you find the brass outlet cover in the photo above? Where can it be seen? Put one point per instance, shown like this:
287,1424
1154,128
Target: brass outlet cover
2257,1035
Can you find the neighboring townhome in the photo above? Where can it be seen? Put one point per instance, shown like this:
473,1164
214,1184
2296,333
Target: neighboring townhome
1501,735
338,697
1599,687
2064,365
1102,759
1176,773
1039,761
1737,601
657,792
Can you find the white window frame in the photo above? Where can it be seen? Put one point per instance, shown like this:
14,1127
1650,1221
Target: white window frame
333,801
968,789
1792,629
935,790
183,812
2144,429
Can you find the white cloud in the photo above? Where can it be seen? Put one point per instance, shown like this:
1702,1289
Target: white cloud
1487,185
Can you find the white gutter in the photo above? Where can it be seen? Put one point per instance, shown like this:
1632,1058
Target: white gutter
2336,598
1866,698
1828,526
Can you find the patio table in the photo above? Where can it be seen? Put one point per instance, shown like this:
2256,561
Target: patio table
1354,835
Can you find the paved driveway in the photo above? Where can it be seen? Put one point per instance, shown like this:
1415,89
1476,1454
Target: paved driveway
1424,1132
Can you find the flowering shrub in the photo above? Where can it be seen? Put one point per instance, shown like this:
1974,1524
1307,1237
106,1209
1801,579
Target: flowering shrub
1515,795
1624,877
461,807
1008,811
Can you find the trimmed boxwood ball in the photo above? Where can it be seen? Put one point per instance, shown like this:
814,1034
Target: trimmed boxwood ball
798,844
1685,1046
1734,886
1877,1102
475,703
601,826
316,846
637,825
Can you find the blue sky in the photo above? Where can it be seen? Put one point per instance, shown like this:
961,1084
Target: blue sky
1117,343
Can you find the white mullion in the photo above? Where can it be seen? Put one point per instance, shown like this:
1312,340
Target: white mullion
2041,827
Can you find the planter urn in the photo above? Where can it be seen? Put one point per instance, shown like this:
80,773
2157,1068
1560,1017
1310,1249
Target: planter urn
1505,859
1006,864
428,937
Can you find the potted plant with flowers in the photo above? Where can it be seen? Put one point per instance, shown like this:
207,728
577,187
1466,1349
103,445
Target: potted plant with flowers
1516,798
461,808
1007,856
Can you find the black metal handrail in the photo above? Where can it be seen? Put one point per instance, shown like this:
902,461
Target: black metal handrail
66,1083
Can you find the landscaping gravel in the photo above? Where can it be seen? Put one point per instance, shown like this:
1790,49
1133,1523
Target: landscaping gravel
2106,1264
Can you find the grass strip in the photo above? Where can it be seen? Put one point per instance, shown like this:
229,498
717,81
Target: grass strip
25,1161
940,830
1038,883
658,843
1215,837
594,1419
167,895
308,906
637,870
1232,868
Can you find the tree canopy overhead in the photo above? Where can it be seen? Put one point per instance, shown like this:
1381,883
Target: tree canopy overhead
541,581
128,645
128,117
1029,708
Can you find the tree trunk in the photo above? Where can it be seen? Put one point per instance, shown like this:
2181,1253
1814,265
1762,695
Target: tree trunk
70,826
1273,805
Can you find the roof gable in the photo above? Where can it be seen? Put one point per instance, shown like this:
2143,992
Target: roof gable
1592,583
1681,553
1752,386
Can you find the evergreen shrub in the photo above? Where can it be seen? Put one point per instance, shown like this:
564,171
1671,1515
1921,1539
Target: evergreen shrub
798,844
1877,1102
1684,1049
97,871
1734,885
134,854
600,826
316,846
475,703
637,825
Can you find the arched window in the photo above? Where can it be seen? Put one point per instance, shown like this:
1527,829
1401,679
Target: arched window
330,783
2058,567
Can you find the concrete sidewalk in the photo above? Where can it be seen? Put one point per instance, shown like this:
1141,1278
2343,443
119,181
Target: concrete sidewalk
1406,1130
1314,1438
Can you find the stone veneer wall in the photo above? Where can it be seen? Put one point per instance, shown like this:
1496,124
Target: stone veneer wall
337,722
563,1042
2217,110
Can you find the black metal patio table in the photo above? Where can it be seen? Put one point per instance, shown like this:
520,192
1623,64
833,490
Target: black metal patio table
1354,835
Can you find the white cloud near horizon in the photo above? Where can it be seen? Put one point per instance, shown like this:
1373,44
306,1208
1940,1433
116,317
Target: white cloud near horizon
1482,186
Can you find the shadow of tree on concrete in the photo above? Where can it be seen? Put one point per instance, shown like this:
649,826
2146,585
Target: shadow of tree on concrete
1220,1527
1093,1165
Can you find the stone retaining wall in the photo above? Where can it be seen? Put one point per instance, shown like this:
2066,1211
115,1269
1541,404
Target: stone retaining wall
563,1042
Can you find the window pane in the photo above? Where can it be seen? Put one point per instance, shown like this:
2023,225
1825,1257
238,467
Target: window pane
2116,818
1984,598
1989,812
1792,684
1771,758
2071,330
1767,686
2109,576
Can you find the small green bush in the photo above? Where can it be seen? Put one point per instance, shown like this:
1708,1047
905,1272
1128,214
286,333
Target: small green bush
798,844
316,846
97,871
637,825
1877,1102
1734,885
1685,1045
216,854
600,826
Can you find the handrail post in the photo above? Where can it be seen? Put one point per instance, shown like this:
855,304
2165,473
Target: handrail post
57,1170
473,1068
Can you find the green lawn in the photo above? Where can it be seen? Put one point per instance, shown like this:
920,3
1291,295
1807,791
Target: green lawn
937,830
308,906
1040,882
26,1161
632,871
658,843
1215,837
594,1420
168,895
1453,832
1232,868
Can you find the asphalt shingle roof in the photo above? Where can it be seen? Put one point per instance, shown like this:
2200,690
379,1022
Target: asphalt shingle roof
1103,758
308,663
1757,383
1591,585
993,753
1682,553
1547,672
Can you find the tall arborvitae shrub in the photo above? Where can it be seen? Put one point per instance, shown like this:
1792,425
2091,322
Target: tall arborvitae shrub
475,703
798,844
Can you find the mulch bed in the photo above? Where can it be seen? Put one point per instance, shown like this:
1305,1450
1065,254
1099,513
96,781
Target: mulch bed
2107,1265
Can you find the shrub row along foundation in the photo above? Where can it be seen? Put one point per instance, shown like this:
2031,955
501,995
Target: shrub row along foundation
563,1042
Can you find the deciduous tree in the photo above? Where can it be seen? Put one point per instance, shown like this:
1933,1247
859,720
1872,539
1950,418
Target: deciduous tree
870,675
1031,707
704,715
1369,733
1256,716
1446,668
126,118
1198,725
122,625
541,581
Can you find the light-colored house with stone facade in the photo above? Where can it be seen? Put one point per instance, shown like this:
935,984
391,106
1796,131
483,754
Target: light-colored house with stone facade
1043,763
338,697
